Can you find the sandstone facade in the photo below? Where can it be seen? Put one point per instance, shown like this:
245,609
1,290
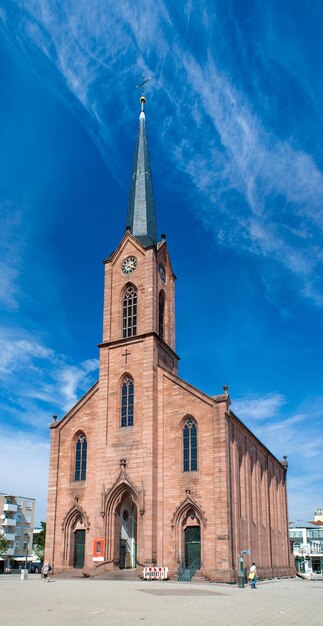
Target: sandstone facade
138,504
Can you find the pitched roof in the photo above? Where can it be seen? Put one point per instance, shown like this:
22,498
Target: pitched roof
141,216
301,524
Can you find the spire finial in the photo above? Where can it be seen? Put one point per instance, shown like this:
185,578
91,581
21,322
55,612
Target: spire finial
142,97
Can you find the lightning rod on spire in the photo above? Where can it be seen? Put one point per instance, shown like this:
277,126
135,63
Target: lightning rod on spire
142,97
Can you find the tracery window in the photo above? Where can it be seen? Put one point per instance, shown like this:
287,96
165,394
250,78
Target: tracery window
190,446
130,312
127,402
80,458
161,314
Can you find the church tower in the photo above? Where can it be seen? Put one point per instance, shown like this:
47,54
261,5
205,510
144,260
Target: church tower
138,275
138,336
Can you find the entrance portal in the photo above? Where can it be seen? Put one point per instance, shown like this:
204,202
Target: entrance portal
128,534
192,546
79,546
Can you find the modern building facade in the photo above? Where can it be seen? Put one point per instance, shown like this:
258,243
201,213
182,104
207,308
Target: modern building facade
17,525
307,547
318,516
146,469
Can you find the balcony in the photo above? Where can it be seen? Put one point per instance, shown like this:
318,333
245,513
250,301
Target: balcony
9,536
9,522
10,551
10,507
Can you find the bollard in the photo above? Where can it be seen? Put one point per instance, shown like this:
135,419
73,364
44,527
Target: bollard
240,572
24,574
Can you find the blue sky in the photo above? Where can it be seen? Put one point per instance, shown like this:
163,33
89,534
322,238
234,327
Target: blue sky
235,126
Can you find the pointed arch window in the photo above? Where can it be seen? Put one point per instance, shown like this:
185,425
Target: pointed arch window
80,458
190,446
127,402
161,314
130,312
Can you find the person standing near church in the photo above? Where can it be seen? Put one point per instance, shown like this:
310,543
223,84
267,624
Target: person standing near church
46,570
253,576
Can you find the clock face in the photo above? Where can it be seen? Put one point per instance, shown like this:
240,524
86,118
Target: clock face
129,265
162,273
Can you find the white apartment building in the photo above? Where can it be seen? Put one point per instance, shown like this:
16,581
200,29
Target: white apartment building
307,546
17,524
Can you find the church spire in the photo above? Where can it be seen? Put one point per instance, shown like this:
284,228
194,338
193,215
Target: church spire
141,216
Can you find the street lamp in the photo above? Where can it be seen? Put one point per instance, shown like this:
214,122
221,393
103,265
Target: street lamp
26,537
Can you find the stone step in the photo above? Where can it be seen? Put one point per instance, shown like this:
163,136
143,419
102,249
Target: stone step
199,578
119,574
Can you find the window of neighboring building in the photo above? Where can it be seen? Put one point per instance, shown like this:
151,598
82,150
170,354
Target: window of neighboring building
18,529
80,458
161,314
18,517
28,518
130,312
29,504
19,502
190,445
17,545
127,402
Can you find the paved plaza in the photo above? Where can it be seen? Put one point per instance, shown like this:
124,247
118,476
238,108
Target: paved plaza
89,602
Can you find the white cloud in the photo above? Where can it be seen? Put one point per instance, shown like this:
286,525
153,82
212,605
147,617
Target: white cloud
246,176
37,378
72,379
21,353
259,407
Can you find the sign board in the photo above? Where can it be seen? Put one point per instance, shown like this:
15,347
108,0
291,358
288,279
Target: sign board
98,549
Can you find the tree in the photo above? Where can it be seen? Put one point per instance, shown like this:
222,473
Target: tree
39,542
3,544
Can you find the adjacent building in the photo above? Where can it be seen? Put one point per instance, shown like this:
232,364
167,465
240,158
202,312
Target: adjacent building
307,545
146,469
17,525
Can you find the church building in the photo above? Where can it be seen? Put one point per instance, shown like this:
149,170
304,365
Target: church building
146,469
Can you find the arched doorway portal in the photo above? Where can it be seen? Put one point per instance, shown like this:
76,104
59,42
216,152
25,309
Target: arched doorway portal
74,526
127,535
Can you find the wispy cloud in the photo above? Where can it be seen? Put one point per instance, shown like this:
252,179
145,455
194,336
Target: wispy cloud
36,376
12,246
259,407
252,183
71,379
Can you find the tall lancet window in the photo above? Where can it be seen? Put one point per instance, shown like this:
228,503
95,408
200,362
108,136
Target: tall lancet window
80,458
130,312
190,446
161,314
127,402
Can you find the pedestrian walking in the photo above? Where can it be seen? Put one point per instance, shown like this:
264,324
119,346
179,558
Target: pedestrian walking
253,576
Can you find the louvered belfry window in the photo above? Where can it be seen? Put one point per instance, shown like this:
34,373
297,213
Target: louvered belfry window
127,402
80,458
130,312
190,446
